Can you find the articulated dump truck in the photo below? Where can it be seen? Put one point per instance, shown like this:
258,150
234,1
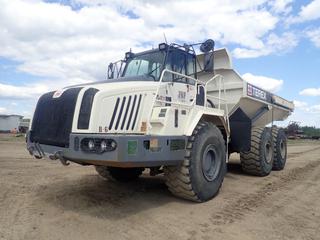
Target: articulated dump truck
170,110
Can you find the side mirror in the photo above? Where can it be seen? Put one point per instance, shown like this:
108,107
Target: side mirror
207,48
111,71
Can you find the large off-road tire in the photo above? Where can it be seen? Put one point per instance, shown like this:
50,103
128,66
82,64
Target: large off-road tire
279,148
200,176
259,160
119,174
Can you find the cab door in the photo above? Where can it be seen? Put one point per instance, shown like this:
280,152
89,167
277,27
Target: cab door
180,89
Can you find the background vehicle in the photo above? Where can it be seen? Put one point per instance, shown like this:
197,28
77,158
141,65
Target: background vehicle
169,110
24,124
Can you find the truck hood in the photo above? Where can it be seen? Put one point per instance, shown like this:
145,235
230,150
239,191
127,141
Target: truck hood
121,85
142,78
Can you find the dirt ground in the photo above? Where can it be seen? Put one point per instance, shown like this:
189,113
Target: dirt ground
41,199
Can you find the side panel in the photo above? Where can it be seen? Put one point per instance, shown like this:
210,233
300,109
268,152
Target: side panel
240,127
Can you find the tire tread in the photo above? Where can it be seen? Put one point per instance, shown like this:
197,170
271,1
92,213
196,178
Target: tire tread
178,178
250,161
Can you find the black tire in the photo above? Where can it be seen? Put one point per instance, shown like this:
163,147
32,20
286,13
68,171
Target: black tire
200,176
280,148
119,174
259,160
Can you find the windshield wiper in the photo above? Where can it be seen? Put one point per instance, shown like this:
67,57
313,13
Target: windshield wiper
150,73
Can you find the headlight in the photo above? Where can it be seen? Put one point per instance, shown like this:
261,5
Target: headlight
103,146
113,144
98,145
91,144
163,46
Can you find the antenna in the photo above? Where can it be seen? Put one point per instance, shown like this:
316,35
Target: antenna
165,38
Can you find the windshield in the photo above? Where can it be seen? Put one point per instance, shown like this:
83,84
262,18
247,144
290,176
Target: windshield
149,64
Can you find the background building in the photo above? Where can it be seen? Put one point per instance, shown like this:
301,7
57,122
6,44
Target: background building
9,122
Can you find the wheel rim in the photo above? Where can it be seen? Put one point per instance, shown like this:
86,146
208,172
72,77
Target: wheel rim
210,163
268,152
282,149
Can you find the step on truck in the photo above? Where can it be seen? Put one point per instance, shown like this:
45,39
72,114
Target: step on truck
177,110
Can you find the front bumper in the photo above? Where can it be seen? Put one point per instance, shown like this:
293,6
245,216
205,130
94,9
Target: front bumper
131,150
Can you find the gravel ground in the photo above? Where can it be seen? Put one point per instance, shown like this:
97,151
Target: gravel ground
41,199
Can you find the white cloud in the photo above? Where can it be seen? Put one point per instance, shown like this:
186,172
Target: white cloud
306,118
314,36
55,41
281,6
273,44
3,110
34,90
308,12
306,114
300,104
310,92
69,46
21,92
267,83
314,109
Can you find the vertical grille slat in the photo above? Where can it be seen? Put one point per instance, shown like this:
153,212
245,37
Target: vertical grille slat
126,113
114,113
131,112
136,114
120,112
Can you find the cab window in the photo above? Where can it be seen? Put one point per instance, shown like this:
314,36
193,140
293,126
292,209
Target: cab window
191,65
180,62
137,67
148,64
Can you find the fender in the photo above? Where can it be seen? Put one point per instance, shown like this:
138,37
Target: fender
216,116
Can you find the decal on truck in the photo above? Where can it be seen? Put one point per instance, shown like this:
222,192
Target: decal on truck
58,93
256,92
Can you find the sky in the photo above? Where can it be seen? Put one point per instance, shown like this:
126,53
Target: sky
47,45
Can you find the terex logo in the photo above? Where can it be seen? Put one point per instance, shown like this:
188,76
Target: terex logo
256,92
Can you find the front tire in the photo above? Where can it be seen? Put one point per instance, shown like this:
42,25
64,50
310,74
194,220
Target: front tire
119,174
200,176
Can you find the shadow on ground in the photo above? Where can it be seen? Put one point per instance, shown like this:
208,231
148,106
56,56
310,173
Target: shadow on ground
95,196
235,168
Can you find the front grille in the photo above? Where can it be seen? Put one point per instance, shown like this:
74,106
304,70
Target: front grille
52,120
125,113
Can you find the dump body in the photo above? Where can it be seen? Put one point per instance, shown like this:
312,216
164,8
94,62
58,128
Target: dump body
241,94
247,105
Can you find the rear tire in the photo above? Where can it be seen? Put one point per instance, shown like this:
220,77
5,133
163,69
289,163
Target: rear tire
280,148
119,174
200,176
259,160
